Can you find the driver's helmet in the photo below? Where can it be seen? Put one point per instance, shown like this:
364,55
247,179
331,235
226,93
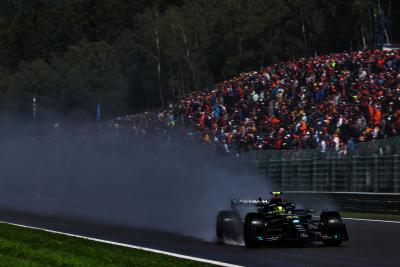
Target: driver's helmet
276,197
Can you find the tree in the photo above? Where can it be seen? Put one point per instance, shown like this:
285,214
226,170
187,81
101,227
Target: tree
87,73
150,42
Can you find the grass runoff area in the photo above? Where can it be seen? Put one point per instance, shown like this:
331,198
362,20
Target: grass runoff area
27,247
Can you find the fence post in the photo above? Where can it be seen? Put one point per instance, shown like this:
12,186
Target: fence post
353,174
375,175
348,174
269,169
396,173
296,176
333,174
283,177
314,174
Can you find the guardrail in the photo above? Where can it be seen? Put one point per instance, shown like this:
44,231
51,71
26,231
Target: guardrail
367,167
385,203
379,174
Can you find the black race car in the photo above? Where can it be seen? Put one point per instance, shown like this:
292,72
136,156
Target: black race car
278,220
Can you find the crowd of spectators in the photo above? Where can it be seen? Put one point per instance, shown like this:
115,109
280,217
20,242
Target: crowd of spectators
336,101
331,101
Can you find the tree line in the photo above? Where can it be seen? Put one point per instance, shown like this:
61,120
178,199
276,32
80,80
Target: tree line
136,55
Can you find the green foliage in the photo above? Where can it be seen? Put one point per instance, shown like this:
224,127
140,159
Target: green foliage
134,55
87,73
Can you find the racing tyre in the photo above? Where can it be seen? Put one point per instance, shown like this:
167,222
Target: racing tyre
332,225
229,226
254,230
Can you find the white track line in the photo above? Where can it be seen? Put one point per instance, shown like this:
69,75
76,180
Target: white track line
128,246
369,220
365,220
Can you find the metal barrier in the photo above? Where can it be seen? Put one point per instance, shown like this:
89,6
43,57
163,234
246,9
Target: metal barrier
348,201
378,147
368,167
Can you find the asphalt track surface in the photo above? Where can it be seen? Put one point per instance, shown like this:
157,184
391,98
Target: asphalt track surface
371,244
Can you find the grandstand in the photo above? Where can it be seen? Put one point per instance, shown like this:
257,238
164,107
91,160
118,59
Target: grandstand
329,101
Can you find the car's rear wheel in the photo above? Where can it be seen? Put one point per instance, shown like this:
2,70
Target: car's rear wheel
229,226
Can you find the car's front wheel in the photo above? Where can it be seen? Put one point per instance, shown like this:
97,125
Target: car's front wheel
332,226
254,230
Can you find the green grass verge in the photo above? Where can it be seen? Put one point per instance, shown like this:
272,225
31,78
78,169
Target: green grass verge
21,247
372,216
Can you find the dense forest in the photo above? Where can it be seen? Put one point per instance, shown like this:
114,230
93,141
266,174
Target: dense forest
136,55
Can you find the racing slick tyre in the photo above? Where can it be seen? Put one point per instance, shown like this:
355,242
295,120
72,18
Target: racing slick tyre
254,230
332,226
229,226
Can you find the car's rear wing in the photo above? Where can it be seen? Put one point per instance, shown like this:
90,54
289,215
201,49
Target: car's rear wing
246,202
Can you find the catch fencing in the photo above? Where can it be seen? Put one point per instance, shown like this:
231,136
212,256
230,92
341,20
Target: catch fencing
383,203
367,167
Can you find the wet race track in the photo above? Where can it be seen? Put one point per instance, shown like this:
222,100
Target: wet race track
371,244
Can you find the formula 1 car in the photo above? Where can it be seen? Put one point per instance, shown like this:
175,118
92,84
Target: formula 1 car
278,220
